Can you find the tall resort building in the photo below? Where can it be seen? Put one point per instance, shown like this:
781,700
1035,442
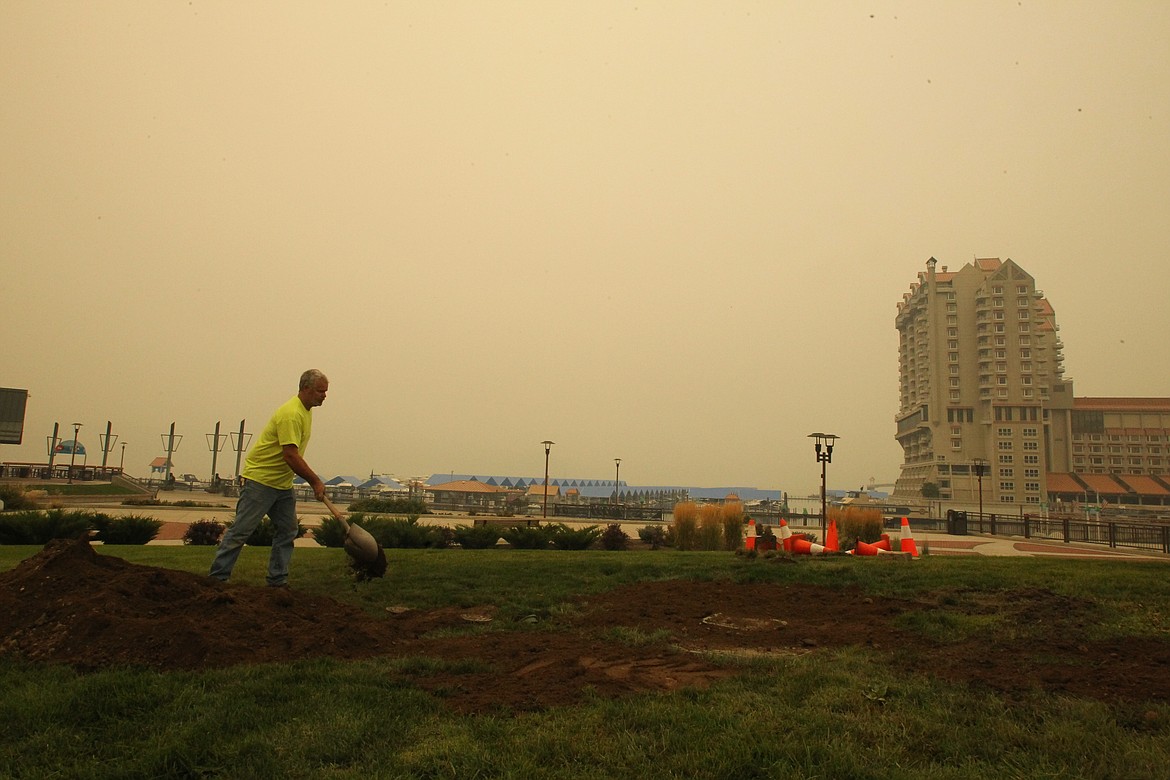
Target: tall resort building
981,383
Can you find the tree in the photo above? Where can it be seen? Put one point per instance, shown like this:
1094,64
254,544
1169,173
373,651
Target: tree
929,490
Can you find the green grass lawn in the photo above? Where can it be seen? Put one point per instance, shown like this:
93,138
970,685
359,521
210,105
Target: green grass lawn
828,714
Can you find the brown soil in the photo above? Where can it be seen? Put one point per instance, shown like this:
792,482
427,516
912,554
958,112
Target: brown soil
69,605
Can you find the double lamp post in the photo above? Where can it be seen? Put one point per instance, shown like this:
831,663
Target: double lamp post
824,448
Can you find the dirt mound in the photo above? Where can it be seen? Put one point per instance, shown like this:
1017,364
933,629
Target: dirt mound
69,605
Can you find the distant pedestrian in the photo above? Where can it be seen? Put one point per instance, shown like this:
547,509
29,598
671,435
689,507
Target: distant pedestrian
267,478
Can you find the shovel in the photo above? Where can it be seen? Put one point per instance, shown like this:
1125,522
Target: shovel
369,559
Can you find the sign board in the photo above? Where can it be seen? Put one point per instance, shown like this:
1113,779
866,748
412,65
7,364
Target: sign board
12,403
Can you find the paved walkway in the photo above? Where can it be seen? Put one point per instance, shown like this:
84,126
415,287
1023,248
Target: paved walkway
943,544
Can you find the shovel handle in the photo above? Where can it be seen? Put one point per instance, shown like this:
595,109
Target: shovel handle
334,511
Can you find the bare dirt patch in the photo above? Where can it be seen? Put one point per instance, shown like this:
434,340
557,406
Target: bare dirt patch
69,605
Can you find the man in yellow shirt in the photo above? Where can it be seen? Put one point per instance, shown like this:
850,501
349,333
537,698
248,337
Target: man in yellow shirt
272,464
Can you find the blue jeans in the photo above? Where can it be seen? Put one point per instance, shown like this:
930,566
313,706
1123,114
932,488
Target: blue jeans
257,500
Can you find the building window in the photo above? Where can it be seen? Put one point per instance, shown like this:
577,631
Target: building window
1025,327
1005,459
999,328
1005,499
1032,487
1007,472
1005,445
1027,392
1004,431
1023,314
997,303
1034,473
1031,459
1025,354
1030,433
1005,487
1031,445
956,444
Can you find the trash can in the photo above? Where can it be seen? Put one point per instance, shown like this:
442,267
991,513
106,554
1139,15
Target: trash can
956,523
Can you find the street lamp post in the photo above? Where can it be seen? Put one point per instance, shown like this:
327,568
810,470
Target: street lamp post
980,465
547,446
107,442
617,479
53,442
122,464
824,448
215,442
172,442
240,443
73,452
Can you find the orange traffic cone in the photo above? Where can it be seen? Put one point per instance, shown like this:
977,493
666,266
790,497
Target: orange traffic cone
907,540
865,548
750,542
884,543
831,542
802,546
785,535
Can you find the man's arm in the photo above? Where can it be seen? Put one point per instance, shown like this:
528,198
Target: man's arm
292,456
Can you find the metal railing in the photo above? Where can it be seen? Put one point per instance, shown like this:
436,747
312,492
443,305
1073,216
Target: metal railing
1151,536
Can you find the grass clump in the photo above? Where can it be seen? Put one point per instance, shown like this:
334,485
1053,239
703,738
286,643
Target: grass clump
855,523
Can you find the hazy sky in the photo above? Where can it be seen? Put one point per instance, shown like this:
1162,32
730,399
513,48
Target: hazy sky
670,232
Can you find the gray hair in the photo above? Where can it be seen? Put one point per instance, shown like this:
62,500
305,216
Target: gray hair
311,377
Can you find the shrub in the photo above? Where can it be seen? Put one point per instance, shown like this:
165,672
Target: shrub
711,533
653,535
390,506
15,499
476,537
686,525
614,538
329,533
401,532
528,537
128,529
32,527
565,538
855,523
204,533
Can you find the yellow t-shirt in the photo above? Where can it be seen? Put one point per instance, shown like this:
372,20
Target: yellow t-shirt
292,423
